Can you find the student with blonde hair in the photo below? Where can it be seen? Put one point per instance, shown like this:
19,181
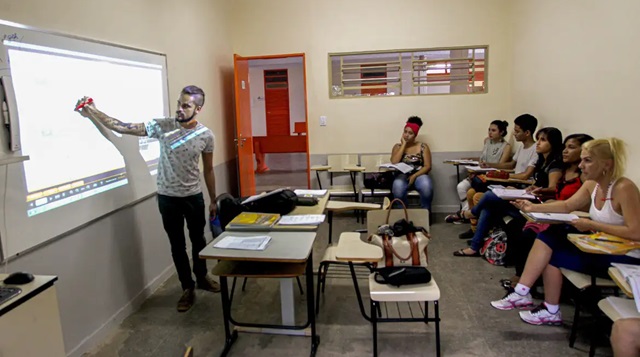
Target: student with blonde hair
614,203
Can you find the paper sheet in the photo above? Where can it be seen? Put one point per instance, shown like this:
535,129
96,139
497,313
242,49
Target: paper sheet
243,243
302,219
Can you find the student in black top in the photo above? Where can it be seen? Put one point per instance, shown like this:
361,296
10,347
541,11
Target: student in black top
547,172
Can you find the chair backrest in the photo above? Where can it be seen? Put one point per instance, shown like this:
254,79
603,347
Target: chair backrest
376,218
339,162
371,163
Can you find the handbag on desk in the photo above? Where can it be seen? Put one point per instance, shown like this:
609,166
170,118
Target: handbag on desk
403,244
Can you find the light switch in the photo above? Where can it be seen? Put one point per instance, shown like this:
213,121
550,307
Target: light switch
323,121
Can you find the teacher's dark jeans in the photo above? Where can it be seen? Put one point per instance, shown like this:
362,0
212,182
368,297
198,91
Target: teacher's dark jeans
174,211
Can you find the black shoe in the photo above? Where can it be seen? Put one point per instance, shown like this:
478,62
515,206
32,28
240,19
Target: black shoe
466,235
186,300
208,284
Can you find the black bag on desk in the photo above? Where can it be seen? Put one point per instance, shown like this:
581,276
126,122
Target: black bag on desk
402,275
280,201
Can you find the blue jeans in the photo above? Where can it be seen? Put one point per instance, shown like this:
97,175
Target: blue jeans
422,184
567,255
489,210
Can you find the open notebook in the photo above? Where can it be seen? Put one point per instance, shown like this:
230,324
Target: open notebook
631,274
512,194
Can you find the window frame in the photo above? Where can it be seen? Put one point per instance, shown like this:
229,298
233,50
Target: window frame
473,76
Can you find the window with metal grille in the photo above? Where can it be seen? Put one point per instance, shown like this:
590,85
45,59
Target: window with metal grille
456,70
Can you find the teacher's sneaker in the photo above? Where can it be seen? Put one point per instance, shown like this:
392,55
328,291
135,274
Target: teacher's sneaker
541,316
208,284
186,300
513,300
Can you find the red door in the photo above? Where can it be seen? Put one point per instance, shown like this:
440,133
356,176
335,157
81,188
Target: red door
276,96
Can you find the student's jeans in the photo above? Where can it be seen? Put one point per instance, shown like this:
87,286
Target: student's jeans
174,211
489,210
422,184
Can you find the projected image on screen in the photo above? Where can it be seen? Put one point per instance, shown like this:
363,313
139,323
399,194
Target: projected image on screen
70,158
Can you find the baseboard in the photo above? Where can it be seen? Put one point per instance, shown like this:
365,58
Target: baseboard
103,332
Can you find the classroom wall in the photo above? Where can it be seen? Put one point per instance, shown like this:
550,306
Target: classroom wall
109,267
575,66
452,122
296,92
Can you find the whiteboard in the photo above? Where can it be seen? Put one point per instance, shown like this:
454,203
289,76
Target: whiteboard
78,171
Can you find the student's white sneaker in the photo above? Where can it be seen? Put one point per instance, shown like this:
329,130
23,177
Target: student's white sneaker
541,316
513,300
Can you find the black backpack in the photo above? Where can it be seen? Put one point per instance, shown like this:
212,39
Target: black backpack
280,201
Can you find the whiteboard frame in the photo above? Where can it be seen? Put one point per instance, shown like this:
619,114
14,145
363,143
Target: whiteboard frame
93,46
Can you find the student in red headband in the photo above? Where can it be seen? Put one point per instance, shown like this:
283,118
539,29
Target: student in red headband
418,156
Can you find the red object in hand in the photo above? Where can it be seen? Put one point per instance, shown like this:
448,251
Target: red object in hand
81,105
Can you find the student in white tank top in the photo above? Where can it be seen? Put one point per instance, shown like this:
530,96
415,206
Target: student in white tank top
614,203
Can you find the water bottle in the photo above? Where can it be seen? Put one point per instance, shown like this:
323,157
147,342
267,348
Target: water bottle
216,227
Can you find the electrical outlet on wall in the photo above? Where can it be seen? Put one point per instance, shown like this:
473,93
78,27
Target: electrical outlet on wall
323,120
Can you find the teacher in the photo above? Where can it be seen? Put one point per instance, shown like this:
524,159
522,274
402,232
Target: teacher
182,141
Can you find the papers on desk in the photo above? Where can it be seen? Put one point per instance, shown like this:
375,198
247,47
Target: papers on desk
631,274
624,307
512,194
464,162
309,193
540,217
302,220
243,243
479,169
401,166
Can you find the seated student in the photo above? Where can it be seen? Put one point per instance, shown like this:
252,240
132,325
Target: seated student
417,155
569,183
523,161
496,149
547,172
624,337
614,207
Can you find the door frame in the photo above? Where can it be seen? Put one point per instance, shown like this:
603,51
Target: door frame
306,102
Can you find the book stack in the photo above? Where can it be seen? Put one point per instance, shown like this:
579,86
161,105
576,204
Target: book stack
252,220
549,218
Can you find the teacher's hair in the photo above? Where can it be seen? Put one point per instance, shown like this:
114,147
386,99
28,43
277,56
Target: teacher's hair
196,93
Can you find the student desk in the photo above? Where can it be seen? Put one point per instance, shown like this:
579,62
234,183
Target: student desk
289,254
33,315
299,210
516,181
617,277
457,165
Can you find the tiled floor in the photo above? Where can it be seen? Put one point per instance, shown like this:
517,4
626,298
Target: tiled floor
470,327
285,170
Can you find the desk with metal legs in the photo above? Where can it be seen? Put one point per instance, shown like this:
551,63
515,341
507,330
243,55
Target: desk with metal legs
289,254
